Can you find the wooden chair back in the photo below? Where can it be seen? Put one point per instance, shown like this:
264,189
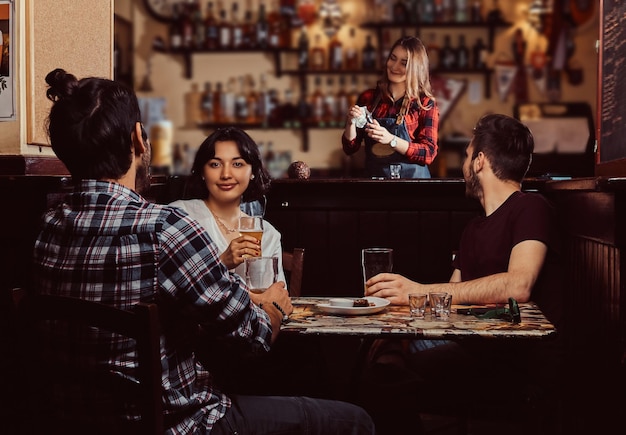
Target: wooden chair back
293,265
141,324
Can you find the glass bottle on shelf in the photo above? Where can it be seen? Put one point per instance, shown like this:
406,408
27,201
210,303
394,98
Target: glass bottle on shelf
199,33
236,26
462,54
303,109
187,25
229,100
276,27
460,11
479,54
218,103
400,13
476,12
303,49
317,103
318,58
352,56
262,27
211,28
249,31
447,56
433,51
288,109
264,105
225,32
368,56
427,11
335,53
241,103
175,30
252,100
342,101
353,95
206,103
330,105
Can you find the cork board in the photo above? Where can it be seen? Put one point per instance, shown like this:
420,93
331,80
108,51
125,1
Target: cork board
76,35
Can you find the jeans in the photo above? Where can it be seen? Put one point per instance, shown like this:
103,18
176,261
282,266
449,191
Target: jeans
292,415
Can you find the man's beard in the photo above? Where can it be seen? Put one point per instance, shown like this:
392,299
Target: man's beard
473,188
142,177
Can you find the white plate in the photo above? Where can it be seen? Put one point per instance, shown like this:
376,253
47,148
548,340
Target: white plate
379,305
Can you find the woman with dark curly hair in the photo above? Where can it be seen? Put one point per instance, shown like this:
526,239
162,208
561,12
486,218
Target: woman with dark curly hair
227,171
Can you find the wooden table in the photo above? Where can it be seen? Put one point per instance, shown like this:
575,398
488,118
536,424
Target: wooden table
396,322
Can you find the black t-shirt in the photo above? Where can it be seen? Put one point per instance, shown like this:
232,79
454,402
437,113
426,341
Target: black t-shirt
487,242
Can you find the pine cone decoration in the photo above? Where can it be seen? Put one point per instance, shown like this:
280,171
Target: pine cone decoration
299,170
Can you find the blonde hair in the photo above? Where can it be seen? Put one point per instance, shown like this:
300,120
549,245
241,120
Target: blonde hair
417,71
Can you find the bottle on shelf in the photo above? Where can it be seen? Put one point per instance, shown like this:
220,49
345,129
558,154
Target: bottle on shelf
206,103
229,100
288,109
318,58
353,95
225,31
317,103
476,15
433,51
262,27
447,54
218,103
335,53
264,104
211,29
462,54
303,49
342,101
199,32
236,26
303,108
400,14
461,14
352,55
368,56
278,28
426,10
241,102
252,100
479,54
193,106
274,108
330,104
249,29
175,30
187,25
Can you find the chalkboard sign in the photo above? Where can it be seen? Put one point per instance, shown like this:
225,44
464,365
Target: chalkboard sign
611,158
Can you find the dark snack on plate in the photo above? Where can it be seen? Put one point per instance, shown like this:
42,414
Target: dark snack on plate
361,303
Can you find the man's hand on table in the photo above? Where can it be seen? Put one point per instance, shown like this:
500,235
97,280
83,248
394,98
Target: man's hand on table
391,286
276,302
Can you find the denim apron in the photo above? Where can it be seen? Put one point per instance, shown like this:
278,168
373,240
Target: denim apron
379,156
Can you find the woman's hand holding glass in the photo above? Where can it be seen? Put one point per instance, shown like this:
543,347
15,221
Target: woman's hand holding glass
240,248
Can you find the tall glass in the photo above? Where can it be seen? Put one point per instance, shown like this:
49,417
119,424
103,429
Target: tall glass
375,261
252,226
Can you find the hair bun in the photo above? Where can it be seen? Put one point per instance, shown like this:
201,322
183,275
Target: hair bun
61,84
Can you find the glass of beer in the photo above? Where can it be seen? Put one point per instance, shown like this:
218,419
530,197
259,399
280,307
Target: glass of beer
261,272
251,226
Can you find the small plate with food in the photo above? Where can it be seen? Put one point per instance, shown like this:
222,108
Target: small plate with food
354,306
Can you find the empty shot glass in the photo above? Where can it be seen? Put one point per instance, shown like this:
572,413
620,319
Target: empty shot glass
417,305
437,301
394,171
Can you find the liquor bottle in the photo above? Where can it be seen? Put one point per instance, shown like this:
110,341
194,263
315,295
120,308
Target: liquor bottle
187,25
229,100
193,106
288,109
303,49
434,55
342,101
461,14
276,24
462,54
274,115
400,12
241,104
249,29
263,106
175,31
352,56
236,27
262,27
385,48
330,105
206,103
353,95
318,58
317,103
447,57
479,54
226,37
211,29
427,11
303,109
199,32
335,53
368,56
252,100
448,11
218,103
476,12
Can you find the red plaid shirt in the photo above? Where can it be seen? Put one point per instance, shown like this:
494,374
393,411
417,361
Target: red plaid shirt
422,126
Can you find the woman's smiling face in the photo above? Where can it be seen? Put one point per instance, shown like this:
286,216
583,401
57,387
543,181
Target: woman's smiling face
227,174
